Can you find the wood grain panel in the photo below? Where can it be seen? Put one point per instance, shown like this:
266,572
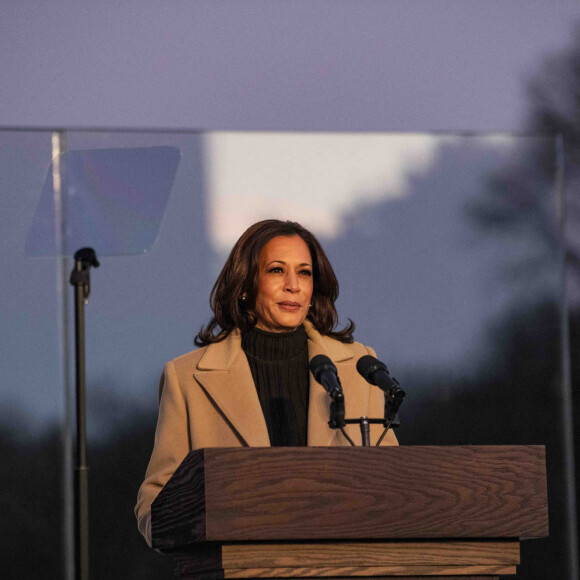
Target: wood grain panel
178,512
397,492
369,554
184,575
350,572
189,575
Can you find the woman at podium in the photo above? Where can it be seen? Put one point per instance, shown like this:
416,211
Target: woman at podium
249,382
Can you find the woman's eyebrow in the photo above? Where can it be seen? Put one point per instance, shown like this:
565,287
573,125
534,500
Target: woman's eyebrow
283,262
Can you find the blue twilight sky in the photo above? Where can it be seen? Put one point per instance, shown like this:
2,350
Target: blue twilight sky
370,65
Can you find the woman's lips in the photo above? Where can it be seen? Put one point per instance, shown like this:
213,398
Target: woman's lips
289,306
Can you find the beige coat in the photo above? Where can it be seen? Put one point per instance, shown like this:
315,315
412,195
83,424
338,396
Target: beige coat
208,399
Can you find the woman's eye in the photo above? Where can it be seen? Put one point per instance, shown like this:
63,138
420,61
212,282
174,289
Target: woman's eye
306,272
275,270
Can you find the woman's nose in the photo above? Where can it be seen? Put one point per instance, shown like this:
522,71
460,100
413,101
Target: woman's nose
292,282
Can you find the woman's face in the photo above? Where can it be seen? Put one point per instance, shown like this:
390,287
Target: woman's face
284,284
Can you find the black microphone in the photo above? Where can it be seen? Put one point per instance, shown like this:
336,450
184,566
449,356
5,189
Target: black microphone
326,374
376,373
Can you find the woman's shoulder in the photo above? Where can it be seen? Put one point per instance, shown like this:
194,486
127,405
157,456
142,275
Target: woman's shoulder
214,355
190,358
358,347
354,347
339,348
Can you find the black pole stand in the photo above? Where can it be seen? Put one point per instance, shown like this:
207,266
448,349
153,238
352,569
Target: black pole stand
80,279
365,431
365,428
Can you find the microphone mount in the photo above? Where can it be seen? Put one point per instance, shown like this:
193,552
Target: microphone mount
374,372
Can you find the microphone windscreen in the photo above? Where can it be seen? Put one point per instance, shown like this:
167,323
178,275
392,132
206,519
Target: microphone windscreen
321,363
367,365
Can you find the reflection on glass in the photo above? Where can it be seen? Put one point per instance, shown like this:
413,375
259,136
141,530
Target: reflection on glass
408,222
444,247
112,200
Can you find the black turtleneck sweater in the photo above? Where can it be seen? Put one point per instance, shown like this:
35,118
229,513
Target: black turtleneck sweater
279,364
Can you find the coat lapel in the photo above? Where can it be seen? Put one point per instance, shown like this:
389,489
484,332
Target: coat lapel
225,374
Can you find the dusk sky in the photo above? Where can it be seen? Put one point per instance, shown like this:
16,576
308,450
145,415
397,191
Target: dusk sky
371,65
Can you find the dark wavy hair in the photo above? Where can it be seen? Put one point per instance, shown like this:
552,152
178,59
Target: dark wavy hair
239,276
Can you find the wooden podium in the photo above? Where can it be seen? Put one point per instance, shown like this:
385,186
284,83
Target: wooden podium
366,512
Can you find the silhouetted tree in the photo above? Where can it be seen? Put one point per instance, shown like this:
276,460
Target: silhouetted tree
516,196
30,502
31,498
515,200
512,399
